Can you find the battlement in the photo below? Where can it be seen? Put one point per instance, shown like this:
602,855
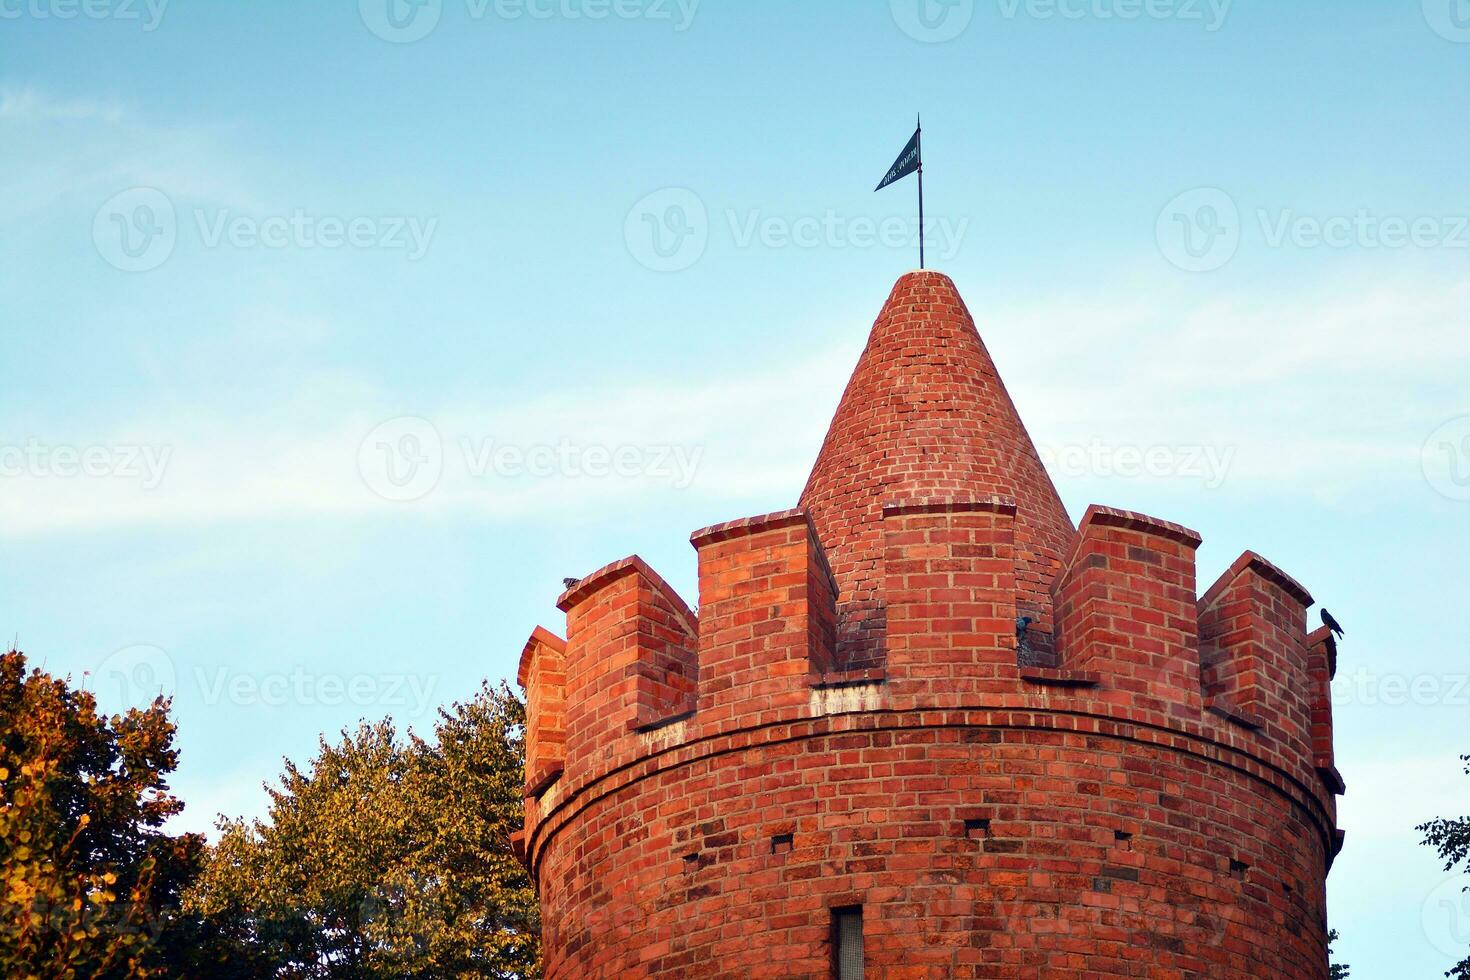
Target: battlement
1131,640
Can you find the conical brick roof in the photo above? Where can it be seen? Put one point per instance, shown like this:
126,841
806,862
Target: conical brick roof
925,414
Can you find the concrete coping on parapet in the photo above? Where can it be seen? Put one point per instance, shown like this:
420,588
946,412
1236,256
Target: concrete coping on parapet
761,523
986,504
626,566
1271,573
539,636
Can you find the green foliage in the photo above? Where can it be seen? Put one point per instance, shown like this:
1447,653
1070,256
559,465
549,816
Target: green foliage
1337,971
1451,840
387,857
89,885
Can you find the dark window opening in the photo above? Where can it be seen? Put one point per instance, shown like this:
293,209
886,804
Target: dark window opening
847,943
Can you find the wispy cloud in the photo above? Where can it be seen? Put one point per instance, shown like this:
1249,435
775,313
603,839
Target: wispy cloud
1296,418
60,148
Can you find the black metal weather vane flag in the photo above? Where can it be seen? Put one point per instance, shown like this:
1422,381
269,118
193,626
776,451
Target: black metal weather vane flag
910,160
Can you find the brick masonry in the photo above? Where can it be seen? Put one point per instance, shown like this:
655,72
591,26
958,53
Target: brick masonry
846,721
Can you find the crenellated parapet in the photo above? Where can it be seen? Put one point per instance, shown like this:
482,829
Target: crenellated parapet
1130,640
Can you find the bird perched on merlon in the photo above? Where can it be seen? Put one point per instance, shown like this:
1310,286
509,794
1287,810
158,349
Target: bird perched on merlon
569,582
1331,623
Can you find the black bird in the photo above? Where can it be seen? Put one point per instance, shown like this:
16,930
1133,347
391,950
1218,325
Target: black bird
1331,623
569,582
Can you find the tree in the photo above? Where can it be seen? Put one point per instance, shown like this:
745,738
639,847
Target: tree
89,884
387,857
1451,840
1337,971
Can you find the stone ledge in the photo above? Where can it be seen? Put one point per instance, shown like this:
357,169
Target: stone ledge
989,504
1332,779
1058,677
538,783
643,725
1227,709
847,678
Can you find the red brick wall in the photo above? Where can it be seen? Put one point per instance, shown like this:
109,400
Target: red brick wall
1103,856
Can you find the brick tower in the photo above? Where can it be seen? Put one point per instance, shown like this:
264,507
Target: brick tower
854,762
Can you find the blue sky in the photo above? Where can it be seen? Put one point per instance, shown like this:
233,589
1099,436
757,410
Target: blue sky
257,259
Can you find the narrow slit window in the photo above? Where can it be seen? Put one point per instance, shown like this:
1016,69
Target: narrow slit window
847,943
